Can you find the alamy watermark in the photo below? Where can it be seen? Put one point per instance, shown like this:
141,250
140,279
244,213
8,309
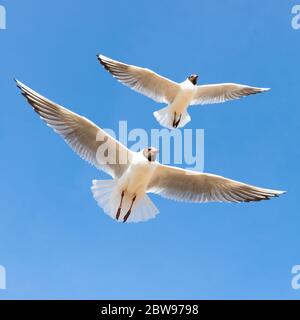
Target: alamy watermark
2,17
296,17
295,283
2,278
176,146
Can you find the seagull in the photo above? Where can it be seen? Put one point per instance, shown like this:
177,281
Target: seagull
177,96
135,174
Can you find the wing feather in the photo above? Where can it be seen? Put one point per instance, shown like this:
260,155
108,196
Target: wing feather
142,80
184,185
82,135
217,93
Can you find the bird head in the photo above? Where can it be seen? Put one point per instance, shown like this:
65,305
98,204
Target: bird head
150,153
193,78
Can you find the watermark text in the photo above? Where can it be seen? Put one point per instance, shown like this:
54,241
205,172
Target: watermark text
2,17
176,146
2,278
296,278
296,17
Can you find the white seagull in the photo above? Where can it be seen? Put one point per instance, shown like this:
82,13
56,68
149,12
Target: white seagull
177,96
124,198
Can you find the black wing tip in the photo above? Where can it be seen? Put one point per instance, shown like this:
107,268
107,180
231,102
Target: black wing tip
267,197
25,94
256,199
262,90
103,62
278,193
19,85
99,57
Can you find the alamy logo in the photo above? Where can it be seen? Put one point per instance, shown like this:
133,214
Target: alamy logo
296,18
188,145
2,278
2,17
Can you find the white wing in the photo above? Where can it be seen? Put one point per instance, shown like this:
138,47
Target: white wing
82,135
217,93
184,185
142,80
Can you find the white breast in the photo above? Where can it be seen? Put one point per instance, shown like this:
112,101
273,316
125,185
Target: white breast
136,179
184,97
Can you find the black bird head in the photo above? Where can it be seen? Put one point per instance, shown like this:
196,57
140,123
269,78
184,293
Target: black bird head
150,153
193,78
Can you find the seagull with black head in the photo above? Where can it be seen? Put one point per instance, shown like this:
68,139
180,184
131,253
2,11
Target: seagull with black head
177,96
135,174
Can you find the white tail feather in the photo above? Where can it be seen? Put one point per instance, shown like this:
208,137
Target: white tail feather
165,117
108,197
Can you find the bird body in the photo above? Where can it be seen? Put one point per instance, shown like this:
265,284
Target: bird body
125,196
133,184
177,96
136,179
183,98
175,114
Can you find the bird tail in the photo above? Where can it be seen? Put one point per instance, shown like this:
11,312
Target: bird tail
166,117
108,196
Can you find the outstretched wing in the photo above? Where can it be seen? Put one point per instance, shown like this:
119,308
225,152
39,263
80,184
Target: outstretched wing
184,185
89,141
217,93
142,80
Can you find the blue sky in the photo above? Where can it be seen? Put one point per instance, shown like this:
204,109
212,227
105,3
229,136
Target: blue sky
54,240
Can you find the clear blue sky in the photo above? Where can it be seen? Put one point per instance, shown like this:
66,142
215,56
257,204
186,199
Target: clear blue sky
54,240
